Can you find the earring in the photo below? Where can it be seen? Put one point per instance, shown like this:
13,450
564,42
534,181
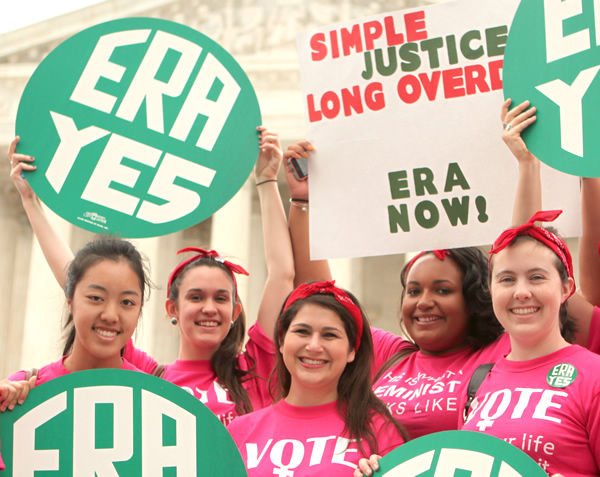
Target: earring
232,323
174,320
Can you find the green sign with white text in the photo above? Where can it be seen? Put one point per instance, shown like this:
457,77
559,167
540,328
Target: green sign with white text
552,58
107,423
138,126
454,453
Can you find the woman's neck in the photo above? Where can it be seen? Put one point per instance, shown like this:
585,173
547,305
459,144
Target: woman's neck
81,361
306,397
525,351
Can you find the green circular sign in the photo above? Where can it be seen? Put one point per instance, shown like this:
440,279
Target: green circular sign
562,375
458,453
552,58
138,126
115,422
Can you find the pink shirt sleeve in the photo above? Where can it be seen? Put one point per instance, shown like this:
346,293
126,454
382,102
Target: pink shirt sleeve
386,345
259,357
18,376
139,359
594,336
388,437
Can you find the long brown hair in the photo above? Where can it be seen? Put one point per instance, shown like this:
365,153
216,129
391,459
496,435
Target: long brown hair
356,401
224,359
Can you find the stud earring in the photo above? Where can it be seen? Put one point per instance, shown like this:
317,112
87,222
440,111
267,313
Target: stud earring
232,323
174,320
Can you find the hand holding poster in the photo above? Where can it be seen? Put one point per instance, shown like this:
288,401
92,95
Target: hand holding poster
138,126
403,111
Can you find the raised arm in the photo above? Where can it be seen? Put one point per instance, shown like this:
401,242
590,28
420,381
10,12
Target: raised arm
307,270
589,252
278,248
528,199
56,251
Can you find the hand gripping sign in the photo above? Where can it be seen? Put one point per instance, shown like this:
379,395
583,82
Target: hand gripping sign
453,453
139,126
553,59
106,423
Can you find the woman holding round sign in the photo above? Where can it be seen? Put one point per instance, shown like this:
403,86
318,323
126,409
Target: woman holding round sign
203,301
327,416
105,288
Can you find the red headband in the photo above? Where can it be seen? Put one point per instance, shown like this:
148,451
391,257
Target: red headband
232,267
329,288
441,254
540,234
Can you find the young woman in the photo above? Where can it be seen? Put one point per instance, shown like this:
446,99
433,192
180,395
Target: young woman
544,397
203,301
327,416
105,289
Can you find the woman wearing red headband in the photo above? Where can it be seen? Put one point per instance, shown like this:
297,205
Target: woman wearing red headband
327,417
447,312
203,300
544,397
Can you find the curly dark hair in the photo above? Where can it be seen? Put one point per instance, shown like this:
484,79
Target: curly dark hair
482,327
568,327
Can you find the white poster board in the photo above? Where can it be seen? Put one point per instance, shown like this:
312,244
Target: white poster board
409,155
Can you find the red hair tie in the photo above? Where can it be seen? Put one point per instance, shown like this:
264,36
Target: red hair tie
441,254
328,288
232,267
540,234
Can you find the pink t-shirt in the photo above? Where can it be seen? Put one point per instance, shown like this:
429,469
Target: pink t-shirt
199,379
423,391
56,370
558,427
303,441
594,336
386,345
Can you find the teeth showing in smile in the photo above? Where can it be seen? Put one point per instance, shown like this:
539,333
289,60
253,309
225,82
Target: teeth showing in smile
108,334
208,324
312,361
426,319
524,311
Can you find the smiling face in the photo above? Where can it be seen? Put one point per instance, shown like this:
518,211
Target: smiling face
434,312
106,305
315,351
527,293
205,310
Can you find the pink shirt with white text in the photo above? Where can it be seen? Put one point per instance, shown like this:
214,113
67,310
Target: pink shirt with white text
423,391
295,441
524,403
199,379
